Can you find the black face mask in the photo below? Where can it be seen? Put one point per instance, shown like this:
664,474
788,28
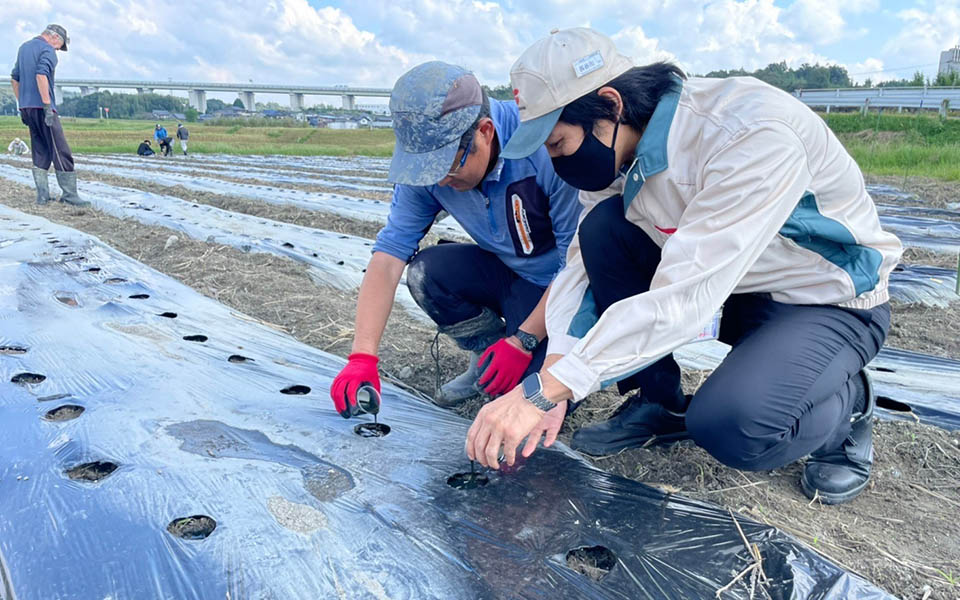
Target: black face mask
592,167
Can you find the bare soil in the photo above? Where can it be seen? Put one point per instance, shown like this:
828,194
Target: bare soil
902,533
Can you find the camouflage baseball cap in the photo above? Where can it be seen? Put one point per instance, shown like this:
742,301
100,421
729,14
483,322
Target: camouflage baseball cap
432,106
59,30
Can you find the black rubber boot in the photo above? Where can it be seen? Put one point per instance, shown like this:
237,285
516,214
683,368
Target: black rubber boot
839,474
41,178
638,422
474,335
68,183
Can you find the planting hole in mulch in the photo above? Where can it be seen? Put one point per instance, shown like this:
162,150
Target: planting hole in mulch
94,270
113,280
287,245
371,430
13,350
467,481
168,315
882,369
593,561
68,300
139,296
92,471
295,390
238,358
893,405
67,412
196,527
195,338
26,378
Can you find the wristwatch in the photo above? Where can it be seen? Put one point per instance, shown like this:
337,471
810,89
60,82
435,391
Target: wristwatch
533,391
527,340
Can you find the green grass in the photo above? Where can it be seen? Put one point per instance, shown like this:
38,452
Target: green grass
121,136
890,144
905,145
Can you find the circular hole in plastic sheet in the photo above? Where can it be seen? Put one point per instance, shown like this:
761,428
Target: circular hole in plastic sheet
67,412
139,296
27,378
115,280
295,390
238,358
94,269
13,349
467,481
371,430
893,405
195,338
92,471
197,527
168,315
68,300
882,369
595,562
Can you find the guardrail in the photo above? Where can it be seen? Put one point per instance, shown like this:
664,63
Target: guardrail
921,98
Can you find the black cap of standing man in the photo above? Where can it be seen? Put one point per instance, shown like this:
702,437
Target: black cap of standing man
59,30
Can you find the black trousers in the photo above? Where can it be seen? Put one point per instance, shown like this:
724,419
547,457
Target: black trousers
454,282
48,144
784,390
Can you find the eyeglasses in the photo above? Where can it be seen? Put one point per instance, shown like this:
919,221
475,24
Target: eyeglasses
463,160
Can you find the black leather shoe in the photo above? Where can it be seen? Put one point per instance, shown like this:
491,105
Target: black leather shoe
637,423
839,474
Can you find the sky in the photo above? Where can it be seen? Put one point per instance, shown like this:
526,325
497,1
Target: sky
372,42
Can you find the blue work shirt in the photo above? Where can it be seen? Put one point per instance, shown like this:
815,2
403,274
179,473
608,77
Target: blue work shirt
160,134
35,57
523,212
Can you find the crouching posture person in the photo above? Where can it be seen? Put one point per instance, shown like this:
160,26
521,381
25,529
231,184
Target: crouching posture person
488,296
701,194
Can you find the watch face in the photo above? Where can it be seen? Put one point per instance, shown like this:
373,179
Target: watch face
531,385
527,340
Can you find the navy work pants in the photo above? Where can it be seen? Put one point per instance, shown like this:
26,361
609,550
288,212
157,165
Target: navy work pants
784,390
47,142
456,281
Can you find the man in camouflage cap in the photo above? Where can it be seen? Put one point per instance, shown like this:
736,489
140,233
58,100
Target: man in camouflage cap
489,296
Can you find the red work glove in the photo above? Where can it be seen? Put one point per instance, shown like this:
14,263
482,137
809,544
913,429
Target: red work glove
501,366
360,370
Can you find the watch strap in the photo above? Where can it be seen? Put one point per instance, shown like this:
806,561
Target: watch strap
527,340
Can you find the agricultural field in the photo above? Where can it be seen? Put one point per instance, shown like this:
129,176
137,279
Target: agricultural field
284,240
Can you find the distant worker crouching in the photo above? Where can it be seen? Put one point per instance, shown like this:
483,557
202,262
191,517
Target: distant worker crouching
17,147
145,149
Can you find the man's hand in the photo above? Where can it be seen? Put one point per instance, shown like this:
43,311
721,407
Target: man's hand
48,115
361,369
505,421
502,365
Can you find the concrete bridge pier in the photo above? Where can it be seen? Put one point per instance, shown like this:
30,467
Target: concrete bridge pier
198,100
58,92
143,90
349,102
86,91
248,100
296,102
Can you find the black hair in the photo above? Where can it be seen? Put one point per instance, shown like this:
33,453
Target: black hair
484,113
641,89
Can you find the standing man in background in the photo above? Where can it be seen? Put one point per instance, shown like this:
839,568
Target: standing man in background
183,135
32,81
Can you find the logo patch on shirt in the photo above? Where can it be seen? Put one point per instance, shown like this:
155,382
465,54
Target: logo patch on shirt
521,224
588,64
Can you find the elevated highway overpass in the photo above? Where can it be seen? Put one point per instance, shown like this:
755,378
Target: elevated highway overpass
197,91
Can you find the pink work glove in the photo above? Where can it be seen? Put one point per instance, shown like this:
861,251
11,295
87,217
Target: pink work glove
501,366
360,370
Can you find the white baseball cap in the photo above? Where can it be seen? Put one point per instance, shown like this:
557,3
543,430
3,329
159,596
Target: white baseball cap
553,72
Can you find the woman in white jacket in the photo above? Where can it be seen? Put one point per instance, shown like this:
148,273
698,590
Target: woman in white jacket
713,207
